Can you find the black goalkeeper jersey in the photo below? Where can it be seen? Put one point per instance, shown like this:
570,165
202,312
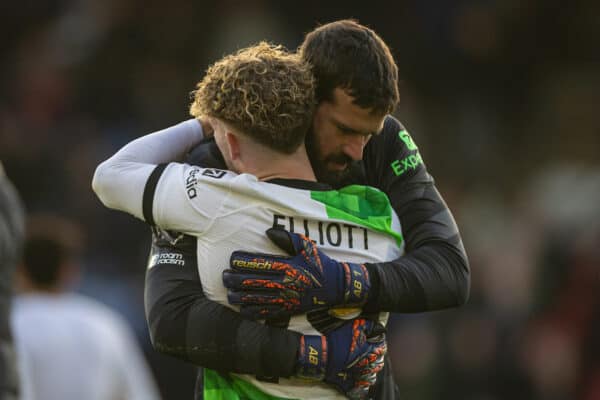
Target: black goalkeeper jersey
432,275
11,240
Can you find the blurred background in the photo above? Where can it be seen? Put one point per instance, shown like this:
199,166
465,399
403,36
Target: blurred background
502,97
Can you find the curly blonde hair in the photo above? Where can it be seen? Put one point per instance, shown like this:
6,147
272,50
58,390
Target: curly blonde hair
264,91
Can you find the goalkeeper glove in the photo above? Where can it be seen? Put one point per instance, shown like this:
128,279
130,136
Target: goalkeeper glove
272,286
348,358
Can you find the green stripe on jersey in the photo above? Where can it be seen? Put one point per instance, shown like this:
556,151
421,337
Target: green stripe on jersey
228,387
360,204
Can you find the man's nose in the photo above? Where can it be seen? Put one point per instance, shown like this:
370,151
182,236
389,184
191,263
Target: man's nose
354,147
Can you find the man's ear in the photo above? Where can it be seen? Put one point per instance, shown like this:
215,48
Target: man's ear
233,146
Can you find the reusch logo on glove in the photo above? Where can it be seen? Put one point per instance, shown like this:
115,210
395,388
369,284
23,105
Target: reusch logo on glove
253,264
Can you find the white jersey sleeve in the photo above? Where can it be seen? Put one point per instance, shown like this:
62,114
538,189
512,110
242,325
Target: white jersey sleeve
119,181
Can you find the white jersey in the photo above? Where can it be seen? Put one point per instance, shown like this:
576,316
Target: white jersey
229,212
72,347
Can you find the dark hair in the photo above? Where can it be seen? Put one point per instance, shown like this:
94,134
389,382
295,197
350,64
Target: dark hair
351,56
42,259
51,242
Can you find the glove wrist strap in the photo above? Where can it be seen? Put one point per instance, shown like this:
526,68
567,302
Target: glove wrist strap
312,357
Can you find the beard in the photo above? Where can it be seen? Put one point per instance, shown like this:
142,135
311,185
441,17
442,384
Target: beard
322,172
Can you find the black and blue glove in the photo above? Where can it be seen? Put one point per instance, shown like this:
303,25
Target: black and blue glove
348,358
273,286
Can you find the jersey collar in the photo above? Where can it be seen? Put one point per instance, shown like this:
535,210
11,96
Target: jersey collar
300,184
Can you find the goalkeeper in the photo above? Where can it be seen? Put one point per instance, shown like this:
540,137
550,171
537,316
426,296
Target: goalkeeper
356,87
260,103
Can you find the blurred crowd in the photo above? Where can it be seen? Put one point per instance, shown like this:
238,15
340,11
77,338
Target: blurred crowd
500,95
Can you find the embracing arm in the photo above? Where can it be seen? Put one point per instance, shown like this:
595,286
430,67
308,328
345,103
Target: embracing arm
434,273
184,323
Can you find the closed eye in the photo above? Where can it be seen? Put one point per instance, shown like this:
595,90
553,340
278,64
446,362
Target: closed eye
349,131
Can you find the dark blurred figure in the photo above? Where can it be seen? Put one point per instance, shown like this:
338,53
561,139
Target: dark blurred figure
11,240
69,346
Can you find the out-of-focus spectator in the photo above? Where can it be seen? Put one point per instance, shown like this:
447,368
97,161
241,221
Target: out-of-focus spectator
11,239
70,346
